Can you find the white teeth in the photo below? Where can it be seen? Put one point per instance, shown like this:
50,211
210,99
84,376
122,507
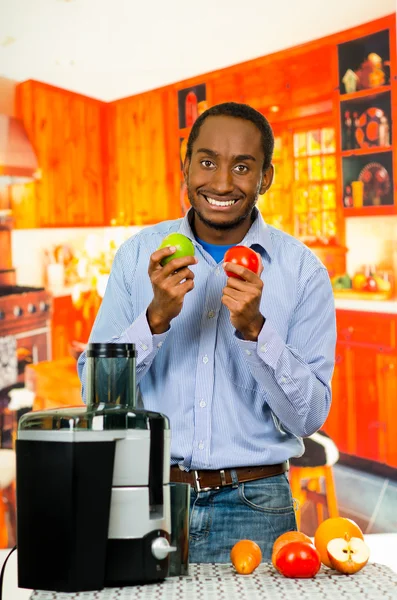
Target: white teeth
217,203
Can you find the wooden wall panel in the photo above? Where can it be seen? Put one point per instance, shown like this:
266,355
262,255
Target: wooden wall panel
66,132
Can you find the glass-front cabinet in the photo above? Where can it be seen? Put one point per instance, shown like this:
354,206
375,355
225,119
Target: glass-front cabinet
302,199
366,100
276,205
314,186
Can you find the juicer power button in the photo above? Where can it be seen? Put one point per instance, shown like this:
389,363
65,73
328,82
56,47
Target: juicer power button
161,548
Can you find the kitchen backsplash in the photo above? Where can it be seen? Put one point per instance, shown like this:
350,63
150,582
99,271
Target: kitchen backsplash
370,240
29,247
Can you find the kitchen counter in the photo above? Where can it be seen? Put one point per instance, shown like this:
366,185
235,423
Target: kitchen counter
377,306
374,306
203,585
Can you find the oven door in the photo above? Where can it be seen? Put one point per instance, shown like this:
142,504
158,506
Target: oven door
32,347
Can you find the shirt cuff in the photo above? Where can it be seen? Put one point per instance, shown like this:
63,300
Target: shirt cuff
267,349
140,334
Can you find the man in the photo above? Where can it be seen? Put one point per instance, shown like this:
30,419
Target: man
242,367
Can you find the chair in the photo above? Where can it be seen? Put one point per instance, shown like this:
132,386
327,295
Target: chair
309,472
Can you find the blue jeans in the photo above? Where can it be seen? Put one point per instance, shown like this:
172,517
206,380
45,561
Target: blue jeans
259,510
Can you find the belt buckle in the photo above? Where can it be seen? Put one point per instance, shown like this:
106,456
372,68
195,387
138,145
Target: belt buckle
197,486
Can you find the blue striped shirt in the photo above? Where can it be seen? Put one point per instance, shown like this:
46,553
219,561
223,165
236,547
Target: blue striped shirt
230,402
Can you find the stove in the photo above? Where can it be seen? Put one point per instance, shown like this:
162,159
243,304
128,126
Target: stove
23,308
25,332
25,321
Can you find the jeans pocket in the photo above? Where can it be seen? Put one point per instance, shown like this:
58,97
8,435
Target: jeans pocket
271,495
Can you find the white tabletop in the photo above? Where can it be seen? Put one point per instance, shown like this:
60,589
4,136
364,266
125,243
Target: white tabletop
383,548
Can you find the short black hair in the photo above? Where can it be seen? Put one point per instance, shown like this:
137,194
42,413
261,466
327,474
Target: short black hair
239,111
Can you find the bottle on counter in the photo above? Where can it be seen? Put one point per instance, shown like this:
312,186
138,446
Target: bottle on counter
371,284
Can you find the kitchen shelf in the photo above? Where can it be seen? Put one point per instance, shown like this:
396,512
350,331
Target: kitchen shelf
365,93
367,137
361,295
365,151
369,211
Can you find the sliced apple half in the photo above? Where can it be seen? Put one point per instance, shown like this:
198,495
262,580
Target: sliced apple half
348,555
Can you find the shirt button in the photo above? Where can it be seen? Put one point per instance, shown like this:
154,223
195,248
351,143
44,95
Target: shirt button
264,348
217,271
201,446
283,380
159,344
205,359
203,404
248,352
211,314
143,346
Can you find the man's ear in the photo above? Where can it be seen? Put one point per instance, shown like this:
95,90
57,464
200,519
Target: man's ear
185,169
267,179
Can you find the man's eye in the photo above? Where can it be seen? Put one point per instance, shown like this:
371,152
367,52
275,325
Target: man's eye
208,164
241,168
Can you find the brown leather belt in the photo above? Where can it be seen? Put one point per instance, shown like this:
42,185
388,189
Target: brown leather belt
204,480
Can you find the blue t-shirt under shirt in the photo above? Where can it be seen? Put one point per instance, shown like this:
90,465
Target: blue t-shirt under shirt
217,252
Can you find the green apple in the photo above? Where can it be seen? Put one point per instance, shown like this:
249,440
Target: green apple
183,245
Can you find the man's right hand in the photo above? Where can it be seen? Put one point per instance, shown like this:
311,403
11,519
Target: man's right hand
170,285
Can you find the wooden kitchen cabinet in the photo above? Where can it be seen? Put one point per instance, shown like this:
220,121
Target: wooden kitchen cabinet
119,163
387,386
71,323
364,387
67,134
143,159
63,327
367,110
343,402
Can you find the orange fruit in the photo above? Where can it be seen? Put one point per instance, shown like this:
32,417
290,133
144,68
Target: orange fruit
245,556
286,538
336,527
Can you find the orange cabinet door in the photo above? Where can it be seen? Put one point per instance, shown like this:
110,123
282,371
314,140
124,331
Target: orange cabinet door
386,368
67,133
340,424
366,400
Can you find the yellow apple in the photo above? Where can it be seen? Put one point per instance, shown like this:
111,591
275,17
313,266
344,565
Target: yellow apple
348,555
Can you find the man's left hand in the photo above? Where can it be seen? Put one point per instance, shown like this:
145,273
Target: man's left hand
242,297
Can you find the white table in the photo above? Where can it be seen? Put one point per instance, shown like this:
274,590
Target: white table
383,548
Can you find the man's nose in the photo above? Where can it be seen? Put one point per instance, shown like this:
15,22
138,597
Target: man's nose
222,181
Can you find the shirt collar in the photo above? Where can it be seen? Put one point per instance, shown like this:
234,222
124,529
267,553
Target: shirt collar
258,234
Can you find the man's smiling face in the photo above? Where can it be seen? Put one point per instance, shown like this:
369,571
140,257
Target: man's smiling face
225,174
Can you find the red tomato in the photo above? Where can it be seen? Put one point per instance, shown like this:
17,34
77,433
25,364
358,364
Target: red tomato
298,559
241,255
